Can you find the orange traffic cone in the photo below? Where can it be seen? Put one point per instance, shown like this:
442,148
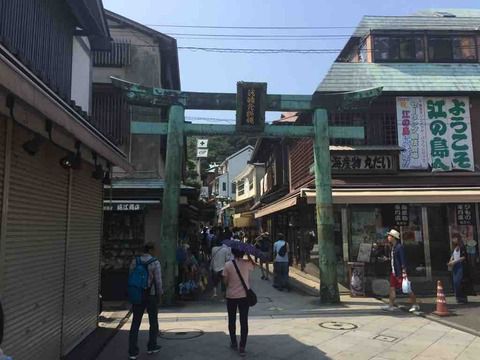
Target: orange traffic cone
441,301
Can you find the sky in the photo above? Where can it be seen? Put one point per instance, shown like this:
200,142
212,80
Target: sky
285,73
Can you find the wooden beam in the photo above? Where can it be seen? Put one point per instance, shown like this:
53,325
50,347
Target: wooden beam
343,132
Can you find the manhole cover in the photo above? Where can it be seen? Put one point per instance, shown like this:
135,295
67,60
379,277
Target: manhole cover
180,334
264,300
333,325
385,338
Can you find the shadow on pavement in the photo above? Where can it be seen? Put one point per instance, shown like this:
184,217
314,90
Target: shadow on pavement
213,346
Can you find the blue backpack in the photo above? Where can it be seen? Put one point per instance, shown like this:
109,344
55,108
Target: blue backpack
138,281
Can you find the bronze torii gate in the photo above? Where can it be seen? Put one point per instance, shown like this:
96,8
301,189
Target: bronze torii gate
250,102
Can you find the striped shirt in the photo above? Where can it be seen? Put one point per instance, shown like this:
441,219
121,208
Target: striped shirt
154,273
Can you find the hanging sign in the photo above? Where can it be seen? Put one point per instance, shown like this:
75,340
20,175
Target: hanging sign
411,132
401,214
202,153
251,105
202,143
464,214
443,125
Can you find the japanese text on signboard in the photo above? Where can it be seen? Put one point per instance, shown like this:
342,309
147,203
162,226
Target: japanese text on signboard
412,133
401,214
464,214
361,162
251,104
439,138
123,207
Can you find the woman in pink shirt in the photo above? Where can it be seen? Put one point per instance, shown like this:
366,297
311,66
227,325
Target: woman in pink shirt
237,297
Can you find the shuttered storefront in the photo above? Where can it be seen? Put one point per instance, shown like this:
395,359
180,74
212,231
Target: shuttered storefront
83,258
3,127
35,251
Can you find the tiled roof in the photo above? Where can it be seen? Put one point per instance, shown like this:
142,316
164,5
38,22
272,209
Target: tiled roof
456,12
369,23
402,77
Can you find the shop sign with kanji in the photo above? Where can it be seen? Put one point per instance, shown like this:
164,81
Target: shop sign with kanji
251,105
401,214
123,207
363,163
464,214
435,133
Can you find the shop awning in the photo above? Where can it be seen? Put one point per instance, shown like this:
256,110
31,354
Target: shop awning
245,219
399,195
277,206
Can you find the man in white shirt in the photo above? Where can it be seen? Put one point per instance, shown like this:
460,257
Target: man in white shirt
280,264
220,255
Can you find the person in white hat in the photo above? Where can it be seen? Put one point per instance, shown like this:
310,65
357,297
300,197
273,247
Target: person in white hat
399,271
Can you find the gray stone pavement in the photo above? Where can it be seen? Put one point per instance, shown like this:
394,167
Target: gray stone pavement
295,326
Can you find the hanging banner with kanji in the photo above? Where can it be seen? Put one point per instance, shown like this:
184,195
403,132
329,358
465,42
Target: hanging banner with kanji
447,128
411,132
449,134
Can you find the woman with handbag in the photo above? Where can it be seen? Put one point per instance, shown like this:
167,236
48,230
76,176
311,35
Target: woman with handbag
236,275
457,264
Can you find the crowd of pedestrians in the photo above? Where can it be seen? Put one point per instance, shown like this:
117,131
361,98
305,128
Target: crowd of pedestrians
218,264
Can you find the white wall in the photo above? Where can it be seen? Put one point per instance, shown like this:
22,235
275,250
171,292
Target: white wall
235,166
81,73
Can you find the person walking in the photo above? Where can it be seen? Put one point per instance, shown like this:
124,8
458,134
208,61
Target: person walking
280,264
149,301
458,264
237,297
220,255
265,246
398,271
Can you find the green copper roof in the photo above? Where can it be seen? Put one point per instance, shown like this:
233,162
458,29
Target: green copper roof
370,23
402,77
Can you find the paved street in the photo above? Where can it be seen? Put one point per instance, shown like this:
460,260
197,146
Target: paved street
294,326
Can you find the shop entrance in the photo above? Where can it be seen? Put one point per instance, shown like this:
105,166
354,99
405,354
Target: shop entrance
250,102
438,230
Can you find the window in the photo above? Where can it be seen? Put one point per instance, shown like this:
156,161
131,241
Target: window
224,186
452,49
390,48
117,56
241,187
234,188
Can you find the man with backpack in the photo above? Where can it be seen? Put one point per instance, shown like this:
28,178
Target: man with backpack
280,264
144,290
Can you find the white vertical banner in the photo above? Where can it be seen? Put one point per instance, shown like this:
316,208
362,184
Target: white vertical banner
460,133
411,131
438,134
449,134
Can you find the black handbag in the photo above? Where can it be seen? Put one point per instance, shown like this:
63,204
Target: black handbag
251,296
